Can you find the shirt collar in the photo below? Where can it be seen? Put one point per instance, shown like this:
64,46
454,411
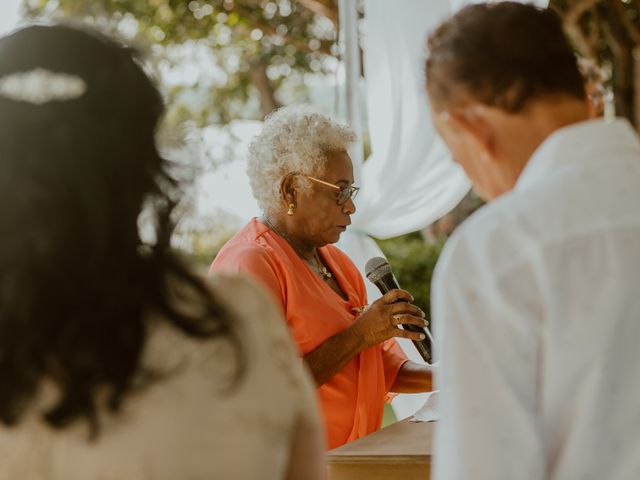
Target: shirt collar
577,141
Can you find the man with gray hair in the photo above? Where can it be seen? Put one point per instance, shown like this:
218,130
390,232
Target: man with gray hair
536,308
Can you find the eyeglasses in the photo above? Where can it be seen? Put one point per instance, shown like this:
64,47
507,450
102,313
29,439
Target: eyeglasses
344,193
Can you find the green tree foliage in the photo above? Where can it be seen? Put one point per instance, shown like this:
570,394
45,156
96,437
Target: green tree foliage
255,45
413,262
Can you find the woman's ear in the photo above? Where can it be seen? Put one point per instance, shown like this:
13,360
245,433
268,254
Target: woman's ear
288,190
474,122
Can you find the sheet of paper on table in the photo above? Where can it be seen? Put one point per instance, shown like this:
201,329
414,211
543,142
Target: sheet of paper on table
429,411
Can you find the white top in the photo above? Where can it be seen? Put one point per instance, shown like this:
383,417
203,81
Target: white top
536,307
186,426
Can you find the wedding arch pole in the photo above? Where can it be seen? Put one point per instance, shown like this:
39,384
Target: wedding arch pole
351,62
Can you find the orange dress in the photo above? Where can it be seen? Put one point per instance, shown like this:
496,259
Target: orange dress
352,401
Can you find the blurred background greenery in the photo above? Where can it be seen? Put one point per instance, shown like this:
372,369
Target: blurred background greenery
413,261
264,47
220,62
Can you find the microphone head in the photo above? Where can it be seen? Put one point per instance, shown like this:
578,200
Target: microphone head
376,268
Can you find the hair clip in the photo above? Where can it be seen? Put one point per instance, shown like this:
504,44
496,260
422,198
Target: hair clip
40,86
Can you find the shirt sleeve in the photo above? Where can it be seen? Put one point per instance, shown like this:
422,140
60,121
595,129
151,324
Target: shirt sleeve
393,358
486,322
252,260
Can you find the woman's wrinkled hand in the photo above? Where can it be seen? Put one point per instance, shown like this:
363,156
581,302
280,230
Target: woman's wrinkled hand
379,322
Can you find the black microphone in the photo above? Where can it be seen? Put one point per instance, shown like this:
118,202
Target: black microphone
379,273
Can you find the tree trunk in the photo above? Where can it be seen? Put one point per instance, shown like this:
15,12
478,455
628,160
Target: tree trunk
623,82
326,8
621,47
260,80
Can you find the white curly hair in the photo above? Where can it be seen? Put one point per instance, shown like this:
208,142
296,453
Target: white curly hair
293,139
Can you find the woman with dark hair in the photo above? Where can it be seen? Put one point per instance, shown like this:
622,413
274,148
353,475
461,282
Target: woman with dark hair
116,360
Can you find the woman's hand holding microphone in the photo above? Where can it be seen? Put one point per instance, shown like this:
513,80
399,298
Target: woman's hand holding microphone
380,320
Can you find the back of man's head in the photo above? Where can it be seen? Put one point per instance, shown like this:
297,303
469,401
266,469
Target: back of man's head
502,55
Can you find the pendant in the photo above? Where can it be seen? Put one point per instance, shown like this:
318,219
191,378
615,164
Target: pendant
326,273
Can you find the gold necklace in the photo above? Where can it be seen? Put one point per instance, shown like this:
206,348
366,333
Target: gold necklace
324,271
321,269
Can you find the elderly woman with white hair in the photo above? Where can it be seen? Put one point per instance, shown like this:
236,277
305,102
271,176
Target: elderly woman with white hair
302,177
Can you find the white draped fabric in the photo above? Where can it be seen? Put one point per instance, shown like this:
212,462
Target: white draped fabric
9,15
409,180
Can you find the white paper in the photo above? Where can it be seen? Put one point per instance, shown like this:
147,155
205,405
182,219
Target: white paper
429,412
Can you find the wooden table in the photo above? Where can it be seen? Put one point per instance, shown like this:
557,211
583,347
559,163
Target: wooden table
401,451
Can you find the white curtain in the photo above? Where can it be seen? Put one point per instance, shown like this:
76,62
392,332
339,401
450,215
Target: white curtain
9,15
409,180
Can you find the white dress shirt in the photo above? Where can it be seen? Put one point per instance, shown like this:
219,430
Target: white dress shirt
536,310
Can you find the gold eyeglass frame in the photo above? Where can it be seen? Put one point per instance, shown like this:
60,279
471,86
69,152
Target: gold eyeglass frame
353,191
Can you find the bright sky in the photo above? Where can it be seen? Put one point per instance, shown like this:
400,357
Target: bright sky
9,15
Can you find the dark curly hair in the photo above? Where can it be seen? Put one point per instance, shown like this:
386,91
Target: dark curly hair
502,54
78,286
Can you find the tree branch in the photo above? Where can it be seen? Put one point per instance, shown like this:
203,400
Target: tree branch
299,43
326,9
260,80
586,45
632,30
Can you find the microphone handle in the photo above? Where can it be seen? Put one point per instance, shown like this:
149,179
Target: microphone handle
389,282
421,345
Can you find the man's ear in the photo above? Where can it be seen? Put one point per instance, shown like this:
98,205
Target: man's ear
288,189
475,122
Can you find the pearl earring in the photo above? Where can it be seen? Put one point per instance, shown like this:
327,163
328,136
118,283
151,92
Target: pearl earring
292,207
